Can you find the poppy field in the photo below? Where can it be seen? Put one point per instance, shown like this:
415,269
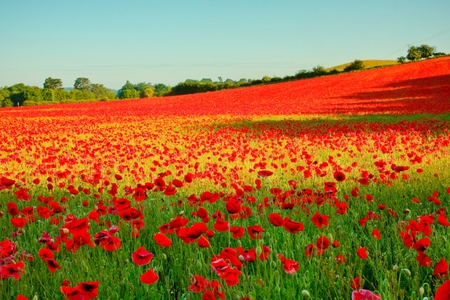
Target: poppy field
326,188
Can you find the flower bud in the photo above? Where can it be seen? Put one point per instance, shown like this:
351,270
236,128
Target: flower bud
305,293
406,271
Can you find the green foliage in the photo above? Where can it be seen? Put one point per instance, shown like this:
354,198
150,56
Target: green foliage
53,83
354,66
413,54
82,84
401,59
420,52
161,89
319,71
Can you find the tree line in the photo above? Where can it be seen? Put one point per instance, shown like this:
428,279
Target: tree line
83,90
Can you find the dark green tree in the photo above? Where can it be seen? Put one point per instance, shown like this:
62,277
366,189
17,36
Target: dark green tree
5,101
128,91
161,89
426,51
319,70
414,54
401,60
53,83
82,84
356,65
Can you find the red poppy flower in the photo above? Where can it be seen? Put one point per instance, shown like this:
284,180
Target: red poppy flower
70,293
309,250
376,234
6,183
339,176
422,244
231,276
289,266
208,295
292,226
88,290
364,295
355,283
18,222
12,270
441,269
162,240
265,253
265,173
198,284
188,177
424,260
203,242
319,220
341,259
149,277
255,231
78,226
45,254
442,220
52,265
362,253
443,292
141,256
237,231
12,209
233,206
221,225
275,219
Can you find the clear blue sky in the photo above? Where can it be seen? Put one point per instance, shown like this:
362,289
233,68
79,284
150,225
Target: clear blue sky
168,41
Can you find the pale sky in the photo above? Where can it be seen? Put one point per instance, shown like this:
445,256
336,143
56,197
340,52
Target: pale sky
169,41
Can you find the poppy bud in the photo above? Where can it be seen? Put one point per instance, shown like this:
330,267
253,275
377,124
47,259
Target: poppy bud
395,268
305,293
406,271
65,230
164,256
421,291
259,250
35,297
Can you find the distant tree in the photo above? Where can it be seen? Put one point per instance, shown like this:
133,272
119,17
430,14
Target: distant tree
356,65
161,89
426,51
319,70
128,91
16,94
266,79
5,101
145,90
401,60
82,84
101,92
53,84
414,54
32,93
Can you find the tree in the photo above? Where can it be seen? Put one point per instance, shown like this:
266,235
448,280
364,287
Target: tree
319,70
53,84
414,54
4,98
161,89
82,84
128,91
426,51
354,66
401,60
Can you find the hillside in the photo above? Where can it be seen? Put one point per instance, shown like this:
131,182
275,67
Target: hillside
369,63
421,87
